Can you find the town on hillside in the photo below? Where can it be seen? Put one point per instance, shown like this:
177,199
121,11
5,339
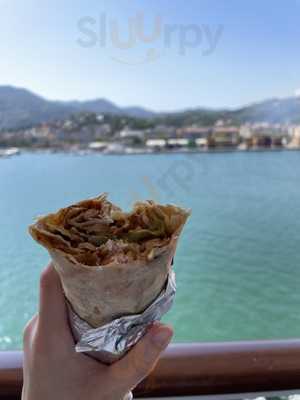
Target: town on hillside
110,134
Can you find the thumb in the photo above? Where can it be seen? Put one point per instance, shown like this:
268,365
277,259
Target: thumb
141,359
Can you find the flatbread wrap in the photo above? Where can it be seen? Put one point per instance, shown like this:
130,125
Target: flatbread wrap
111,263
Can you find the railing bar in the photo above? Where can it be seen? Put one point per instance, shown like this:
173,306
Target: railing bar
207,370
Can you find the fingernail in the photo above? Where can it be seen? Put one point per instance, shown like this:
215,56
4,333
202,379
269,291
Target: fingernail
161,336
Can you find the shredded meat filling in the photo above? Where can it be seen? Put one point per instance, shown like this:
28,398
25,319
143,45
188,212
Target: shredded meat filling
96,232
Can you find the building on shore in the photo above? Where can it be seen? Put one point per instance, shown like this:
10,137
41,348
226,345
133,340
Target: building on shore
131,137
195,136
177,143
161,131
194,132
295,142
201,142
132,133
261,140
264,135
224,136
156,144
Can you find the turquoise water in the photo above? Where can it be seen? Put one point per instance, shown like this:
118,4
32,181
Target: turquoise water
237,265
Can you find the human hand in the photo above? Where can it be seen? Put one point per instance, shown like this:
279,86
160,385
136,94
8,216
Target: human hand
52,368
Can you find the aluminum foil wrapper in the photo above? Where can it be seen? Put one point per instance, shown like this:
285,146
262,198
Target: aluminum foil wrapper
111,341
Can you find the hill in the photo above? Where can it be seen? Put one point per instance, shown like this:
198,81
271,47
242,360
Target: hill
21,108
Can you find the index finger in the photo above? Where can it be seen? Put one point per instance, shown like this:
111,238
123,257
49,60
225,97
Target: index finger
53,317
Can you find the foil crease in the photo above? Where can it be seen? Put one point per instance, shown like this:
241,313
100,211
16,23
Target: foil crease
110,342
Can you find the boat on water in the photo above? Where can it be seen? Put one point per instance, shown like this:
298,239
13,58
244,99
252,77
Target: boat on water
9,152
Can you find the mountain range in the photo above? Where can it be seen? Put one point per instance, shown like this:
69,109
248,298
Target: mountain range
22,108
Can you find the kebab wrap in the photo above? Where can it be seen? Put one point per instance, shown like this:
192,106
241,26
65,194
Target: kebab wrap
111,263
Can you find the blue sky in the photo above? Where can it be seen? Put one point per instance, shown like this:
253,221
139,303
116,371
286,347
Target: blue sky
55,48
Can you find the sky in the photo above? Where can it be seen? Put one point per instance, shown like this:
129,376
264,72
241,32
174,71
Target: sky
163,55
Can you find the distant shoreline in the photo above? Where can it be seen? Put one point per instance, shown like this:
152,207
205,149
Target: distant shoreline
136,152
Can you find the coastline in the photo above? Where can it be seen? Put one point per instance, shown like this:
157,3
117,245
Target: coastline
140,151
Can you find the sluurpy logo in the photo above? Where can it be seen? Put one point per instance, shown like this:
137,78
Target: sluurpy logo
129,43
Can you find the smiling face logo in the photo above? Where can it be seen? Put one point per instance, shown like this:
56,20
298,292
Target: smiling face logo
136,37
129,43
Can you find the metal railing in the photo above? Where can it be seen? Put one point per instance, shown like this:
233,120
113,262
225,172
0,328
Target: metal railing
200,369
